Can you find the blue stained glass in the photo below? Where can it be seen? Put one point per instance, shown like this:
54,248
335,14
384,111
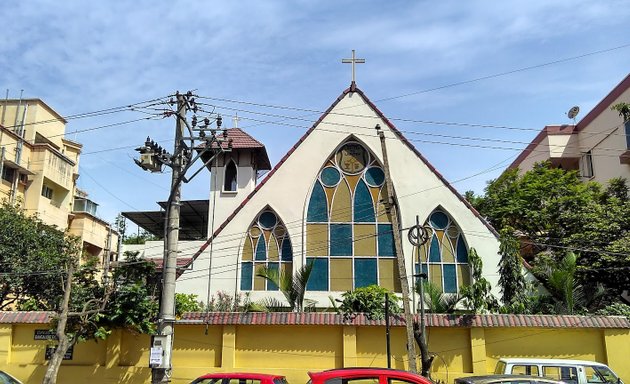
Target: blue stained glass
270,285
462,250
340,239
330,176
363,207
267,220
439,220
375,176
247,270
318,281
434,251
365,272
317,205
261,249
386,240
287,250
450,278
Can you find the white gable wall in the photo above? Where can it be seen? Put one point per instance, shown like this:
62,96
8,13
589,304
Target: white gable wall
287,192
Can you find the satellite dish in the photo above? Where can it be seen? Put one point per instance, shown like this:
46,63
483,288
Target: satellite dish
573,112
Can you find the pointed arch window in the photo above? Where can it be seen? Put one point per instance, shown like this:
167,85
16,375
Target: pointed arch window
230,184
444,258
267,243
349,236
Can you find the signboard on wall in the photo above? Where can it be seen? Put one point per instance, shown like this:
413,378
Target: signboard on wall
50,349
44,334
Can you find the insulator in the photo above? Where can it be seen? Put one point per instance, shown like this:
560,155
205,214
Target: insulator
206,121
219,121
194,121
202,133
225,134
189,93
147,142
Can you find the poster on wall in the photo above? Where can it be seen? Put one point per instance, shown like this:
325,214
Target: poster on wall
50,349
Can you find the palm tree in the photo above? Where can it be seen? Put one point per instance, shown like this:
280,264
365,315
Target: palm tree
437,301
293,287
569,295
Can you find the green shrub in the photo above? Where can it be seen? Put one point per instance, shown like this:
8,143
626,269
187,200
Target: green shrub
369,301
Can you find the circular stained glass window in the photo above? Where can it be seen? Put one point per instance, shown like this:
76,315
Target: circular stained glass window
439,220
352,158
452,231
280,231
330,176
254,231
267,220
374,176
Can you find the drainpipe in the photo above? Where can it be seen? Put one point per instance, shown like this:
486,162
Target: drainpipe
18,149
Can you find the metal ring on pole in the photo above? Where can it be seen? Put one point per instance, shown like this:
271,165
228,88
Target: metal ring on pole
418,235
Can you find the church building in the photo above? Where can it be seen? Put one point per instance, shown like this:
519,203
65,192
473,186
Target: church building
325,203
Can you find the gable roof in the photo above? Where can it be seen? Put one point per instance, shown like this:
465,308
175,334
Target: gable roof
242,140
351,89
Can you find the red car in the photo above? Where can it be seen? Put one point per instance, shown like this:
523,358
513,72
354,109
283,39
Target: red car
239,378
366,376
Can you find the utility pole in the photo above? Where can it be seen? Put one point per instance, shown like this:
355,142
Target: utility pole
152,158
391,204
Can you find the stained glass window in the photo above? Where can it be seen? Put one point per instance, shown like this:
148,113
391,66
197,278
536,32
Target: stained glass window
348,233
444,257
266,244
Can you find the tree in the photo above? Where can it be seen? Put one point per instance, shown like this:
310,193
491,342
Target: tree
368,300
140,238
553,211
293,287
511,279
477,296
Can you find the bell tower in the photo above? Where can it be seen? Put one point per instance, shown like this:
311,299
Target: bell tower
233,174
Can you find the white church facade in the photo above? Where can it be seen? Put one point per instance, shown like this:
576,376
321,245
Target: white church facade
324,203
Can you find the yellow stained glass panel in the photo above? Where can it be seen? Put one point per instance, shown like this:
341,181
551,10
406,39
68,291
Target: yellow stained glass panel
341,210
248,251
388,274
447,251
286,268
463,275
340,274
316,240
381,213
259,282
435,275
352,181
330,192
273,254
364,240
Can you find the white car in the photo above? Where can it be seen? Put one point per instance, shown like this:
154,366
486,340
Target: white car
569,371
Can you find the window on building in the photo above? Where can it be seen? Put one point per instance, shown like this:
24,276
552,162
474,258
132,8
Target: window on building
85,205
586,165
627,131
444,258
8,174
230,177
349,237
47,192
267,244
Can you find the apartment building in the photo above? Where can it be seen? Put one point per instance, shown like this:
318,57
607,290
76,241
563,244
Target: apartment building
598,145
40,168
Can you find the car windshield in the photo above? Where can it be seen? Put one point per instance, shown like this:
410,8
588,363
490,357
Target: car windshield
280,380
607,374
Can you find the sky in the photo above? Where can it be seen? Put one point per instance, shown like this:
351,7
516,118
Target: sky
469,83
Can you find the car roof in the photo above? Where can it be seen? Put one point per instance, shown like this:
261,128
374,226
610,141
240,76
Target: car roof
493,378
364,371
527,360
239,375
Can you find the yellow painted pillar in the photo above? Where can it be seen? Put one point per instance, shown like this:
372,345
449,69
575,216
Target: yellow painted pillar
617,343
228,347
6,341
478,350
349,346
113,347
